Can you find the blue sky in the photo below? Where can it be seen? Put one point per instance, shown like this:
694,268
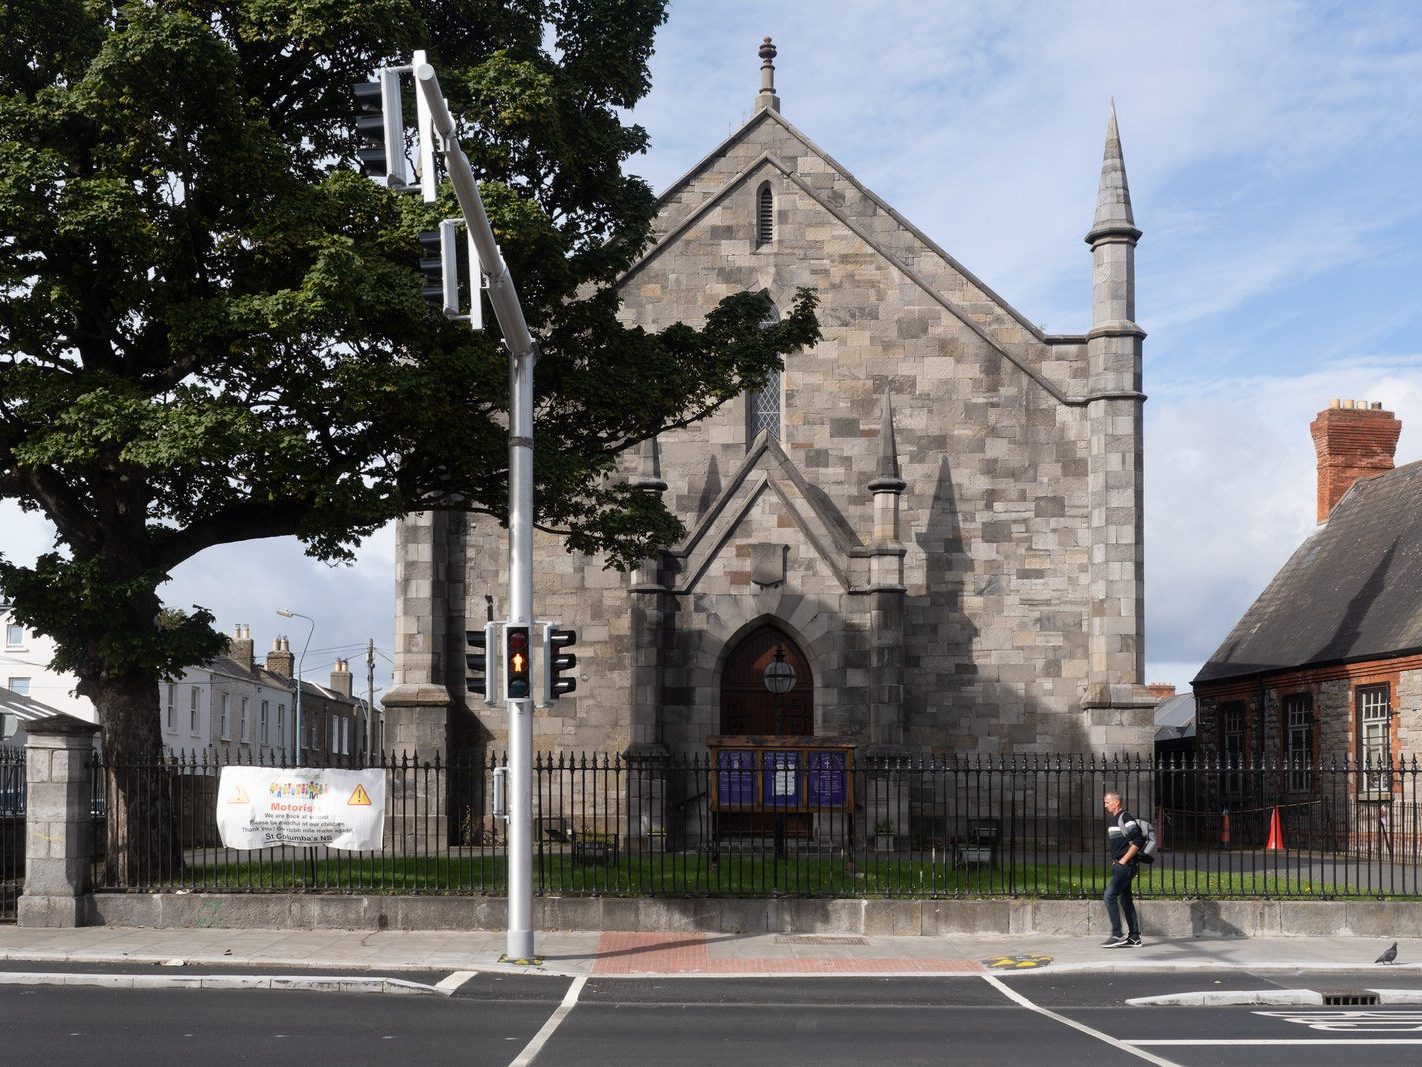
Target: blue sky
1274,152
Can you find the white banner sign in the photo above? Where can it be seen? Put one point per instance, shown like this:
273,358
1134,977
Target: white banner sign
262,806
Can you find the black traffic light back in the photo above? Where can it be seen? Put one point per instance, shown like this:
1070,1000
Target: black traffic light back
370,130
516,652
476,660
559,663
432,267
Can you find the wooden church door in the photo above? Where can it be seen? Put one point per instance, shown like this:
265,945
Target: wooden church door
748,707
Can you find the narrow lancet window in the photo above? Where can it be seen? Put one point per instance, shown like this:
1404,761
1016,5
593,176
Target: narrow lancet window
765,216
763,405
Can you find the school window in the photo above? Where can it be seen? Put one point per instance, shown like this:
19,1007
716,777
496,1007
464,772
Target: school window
194,709
19,686
1232,747
226,703
242,721
1298,751
1375,737
266,736
14,635
764,216
169,704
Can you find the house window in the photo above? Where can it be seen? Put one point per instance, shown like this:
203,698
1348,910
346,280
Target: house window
764,216
169,720
194,707
1375,737
1298,751
281,725
335,734
1232,748
19,686
265,735
14,635
226,699
242,721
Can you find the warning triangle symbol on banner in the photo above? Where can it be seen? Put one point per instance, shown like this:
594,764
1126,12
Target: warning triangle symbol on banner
239,796
360,798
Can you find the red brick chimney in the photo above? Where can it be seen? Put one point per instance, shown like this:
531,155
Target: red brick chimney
1354,440
1161,690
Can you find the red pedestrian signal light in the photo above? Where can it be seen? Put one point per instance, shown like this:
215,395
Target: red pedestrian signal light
516,657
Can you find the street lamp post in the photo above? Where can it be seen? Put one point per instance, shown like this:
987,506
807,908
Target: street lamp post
285,613
779,678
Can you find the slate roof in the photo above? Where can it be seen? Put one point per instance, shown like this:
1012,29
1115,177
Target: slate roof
1352,591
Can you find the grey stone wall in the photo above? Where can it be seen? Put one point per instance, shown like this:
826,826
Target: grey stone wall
995,447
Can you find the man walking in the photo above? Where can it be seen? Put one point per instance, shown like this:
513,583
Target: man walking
1123,835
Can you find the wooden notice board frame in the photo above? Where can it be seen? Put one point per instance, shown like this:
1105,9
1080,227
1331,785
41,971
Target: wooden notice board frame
762,772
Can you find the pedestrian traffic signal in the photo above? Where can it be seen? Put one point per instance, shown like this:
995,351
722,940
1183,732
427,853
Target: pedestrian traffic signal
476,661
516,652
558,664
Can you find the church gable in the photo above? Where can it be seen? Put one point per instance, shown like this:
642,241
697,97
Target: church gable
818,201
766,507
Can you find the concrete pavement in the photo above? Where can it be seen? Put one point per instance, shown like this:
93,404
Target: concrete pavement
662,954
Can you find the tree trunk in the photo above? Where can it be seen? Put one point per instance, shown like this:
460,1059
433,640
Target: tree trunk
143,845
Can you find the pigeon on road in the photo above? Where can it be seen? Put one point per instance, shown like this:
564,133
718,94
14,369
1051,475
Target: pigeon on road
1389,955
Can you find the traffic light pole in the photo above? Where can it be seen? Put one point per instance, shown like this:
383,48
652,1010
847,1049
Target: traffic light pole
503,297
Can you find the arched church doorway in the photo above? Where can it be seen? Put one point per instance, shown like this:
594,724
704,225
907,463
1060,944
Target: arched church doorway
748,707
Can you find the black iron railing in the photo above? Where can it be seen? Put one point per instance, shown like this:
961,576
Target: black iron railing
12,828
698,826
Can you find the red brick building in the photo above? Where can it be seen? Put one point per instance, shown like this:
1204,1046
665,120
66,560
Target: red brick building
1326,665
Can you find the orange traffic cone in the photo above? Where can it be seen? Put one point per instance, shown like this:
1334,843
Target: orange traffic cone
1224,829
1276,831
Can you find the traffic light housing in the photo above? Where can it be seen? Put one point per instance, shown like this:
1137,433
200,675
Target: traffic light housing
437,266
380,129
558,664
516,660
476,662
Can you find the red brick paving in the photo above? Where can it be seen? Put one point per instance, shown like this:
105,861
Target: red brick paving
636,953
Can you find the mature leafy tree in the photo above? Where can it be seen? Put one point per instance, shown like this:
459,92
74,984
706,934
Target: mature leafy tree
211,328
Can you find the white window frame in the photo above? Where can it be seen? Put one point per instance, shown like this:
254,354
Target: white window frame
14,635
1298,741
1374,704
171,718
281,725
226,709
194,710
242,722
19,684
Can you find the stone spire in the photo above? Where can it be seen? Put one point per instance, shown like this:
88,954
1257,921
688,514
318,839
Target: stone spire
886,478
766,98
649,478
1113,198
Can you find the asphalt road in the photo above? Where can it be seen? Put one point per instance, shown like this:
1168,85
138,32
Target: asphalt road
726,1022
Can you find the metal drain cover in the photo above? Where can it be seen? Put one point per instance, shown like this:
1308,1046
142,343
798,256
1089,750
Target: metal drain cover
1348,998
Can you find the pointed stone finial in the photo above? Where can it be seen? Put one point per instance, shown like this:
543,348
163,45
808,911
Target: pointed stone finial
1113,197
766,98
886,478
649,478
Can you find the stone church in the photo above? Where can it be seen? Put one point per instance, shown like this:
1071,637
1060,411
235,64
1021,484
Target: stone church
934,516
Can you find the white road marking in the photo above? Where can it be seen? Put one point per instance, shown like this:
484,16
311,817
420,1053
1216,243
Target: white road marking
570,998
1124,1046
450,982
1342,1043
